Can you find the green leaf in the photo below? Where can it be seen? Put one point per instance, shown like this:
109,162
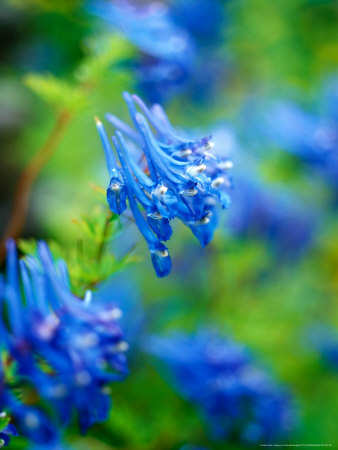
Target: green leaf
27,246
4,420
104,53
58,93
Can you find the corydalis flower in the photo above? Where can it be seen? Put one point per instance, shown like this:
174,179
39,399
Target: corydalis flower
237,398
201,18
264,209
148,26
273,214
167,175
311,135
167,53
57,347
174,40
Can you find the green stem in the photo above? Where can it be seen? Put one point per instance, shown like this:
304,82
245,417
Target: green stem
104,236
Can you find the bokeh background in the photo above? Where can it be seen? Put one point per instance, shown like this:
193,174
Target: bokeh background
260,76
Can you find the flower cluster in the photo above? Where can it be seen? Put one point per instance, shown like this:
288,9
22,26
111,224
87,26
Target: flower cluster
169,176
167,52
310,135
269,211
273,214
200,18
238,399
55,347
174,41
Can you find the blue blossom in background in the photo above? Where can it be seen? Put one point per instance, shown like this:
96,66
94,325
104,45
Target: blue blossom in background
310,135
174,40
263,209
56,346
206,24
237,398
167,175
148,26
167,52
201,18
324,339
7,432
127,297
271,213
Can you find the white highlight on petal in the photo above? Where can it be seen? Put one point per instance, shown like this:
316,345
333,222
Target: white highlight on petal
160,190
225,165
217,182
189,192
88,297
31,420
195,170
161,253
83,378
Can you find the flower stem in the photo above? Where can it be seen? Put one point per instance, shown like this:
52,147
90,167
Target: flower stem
104,237
27,178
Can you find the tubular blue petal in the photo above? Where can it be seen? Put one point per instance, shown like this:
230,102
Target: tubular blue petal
160,226
110,160
161,259
117,196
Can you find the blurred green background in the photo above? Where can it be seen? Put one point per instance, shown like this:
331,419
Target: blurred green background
236,283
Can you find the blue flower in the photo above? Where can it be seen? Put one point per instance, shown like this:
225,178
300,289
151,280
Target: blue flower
262,209
127,297
167,175
237,398
272,213
167,51
61,348
148,26
311,135
174,41
201,18
7,432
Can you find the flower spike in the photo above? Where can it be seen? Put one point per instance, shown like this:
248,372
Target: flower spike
64,348
167,176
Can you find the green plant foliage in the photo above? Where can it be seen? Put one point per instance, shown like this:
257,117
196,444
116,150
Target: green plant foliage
236,284
57,93
90,261
4,420
105,52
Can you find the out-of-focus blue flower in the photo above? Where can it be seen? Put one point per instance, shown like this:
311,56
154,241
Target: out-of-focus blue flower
237,398
148,26
310,135
127,297
261,209
271,213
6,433
167,51
160,79
167,175
201,18
175,40
57,346
324,339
